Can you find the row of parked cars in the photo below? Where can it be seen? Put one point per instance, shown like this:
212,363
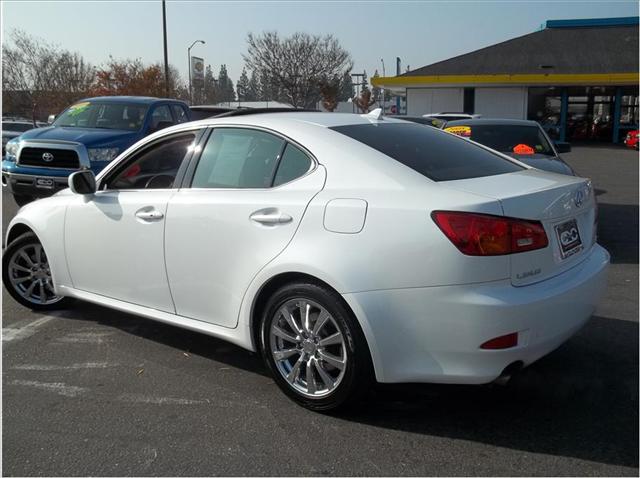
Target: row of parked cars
91,133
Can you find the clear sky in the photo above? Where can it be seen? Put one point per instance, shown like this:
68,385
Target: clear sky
420,32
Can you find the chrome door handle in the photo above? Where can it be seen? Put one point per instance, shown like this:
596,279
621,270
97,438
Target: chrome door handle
153,215
270,217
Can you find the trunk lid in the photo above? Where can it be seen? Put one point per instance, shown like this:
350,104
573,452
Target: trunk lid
565,206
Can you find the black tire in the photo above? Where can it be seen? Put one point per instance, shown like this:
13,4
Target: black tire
27,239
21,200
358,373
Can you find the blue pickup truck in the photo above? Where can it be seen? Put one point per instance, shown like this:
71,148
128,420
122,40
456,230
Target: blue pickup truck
88,134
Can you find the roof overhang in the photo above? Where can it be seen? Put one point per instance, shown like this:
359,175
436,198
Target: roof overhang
549,79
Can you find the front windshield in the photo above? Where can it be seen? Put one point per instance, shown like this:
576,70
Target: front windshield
513,139
91,114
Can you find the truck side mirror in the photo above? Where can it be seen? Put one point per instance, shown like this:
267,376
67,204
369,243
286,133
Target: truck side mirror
51,119
563,147
82,182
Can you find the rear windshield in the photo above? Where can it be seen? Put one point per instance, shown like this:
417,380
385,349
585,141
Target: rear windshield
512,139
429,151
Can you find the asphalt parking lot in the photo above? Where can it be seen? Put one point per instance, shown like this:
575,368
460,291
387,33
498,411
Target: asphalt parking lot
91,391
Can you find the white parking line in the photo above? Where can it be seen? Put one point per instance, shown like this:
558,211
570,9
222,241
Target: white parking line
55,387
85,337
22,330
136,398
75,366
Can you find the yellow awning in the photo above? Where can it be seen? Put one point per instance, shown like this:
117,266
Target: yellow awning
551,79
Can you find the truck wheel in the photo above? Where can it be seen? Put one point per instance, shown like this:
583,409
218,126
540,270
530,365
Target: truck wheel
22,200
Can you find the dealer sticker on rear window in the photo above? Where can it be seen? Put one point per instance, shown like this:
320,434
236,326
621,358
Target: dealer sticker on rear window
459,130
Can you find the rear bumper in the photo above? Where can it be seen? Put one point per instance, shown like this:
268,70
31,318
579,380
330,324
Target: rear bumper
34,186
434,334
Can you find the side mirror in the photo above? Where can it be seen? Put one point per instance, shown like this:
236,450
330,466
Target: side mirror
161,125
82,182
51,119
563,147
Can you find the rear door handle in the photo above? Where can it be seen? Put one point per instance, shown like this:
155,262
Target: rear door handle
270,217
149,215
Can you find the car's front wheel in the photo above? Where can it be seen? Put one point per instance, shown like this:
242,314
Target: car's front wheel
314,347
27,276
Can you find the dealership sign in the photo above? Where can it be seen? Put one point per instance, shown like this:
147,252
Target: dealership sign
197,68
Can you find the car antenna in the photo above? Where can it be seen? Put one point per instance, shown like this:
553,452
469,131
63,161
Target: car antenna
374,115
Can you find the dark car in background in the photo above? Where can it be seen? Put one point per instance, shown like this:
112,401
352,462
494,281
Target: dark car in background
87,135
14,127
451,116
199,112
429,121
523,140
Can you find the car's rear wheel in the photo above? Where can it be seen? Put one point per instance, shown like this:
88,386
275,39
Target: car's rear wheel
21,200
314,347
27,276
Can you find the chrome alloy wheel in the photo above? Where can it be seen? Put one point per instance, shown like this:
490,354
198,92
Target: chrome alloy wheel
30,275
307,347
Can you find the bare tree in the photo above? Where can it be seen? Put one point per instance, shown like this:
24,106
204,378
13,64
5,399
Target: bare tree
40,78
297,63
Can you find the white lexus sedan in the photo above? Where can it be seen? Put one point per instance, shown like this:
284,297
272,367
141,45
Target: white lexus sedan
346,249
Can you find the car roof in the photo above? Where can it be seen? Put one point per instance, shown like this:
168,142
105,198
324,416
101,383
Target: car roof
492,122
326,120
143,100
428,115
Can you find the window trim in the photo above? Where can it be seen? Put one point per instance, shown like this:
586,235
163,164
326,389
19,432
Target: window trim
275,170
195,158
177,184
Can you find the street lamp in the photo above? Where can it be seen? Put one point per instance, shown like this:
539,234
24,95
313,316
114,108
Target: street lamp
383,75
189,64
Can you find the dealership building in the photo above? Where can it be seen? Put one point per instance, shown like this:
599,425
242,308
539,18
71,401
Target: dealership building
578,78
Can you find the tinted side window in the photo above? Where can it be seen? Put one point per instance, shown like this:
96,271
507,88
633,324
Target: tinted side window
429,151
294,163
237,158
153,168
180,113
160,114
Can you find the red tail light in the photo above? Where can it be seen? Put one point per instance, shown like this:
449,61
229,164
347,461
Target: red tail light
485,235
502,342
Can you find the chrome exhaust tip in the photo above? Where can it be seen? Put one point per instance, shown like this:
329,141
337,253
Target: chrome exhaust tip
508,373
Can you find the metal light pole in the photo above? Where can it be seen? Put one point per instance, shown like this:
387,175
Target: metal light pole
383,75
189,65
398,96
166,55
358,86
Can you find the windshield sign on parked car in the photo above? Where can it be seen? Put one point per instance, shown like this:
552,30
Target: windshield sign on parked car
514,139
90,114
